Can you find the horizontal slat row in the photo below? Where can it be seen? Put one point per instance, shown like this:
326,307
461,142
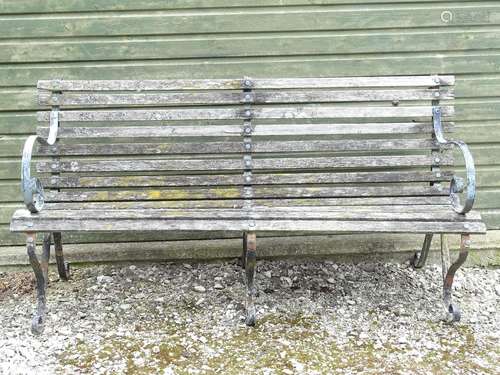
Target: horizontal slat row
256,83
239,179
242,192
333,226
296,112
237,130
235,147
239,164
303,213
258,97
439,201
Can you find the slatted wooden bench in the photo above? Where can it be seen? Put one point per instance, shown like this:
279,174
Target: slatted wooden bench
246,156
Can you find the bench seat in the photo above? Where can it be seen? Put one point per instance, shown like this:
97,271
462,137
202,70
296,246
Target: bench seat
333,219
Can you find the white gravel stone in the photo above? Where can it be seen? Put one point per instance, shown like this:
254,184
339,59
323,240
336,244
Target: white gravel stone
199,289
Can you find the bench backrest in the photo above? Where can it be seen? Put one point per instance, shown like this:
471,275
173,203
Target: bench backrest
227,142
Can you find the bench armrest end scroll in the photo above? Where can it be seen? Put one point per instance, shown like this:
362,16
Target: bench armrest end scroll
31,187
457,183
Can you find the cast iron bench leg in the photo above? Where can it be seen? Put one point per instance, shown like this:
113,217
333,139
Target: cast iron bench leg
449,272
41,274
62,266
419,260
250,261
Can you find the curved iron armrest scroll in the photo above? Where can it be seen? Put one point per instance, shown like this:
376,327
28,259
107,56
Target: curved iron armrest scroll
31,187
457,183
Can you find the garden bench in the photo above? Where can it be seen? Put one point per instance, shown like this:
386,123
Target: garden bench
246,156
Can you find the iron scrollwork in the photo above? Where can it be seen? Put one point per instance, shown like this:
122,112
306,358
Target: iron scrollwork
457,183
31,187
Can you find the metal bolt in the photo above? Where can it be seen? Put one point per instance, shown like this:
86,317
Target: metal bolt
29,225
437,160
248,130
53,166
53,180
55,98
247,83
438,174
251,224
248,146
437,94
436,80
248,113
248,163
248,178
467,243
248,97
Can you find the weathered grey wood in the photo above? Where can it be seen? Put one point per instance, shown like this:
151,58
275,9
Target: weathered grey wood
237,130
228,97
442,202
238,179
258,146
304,213
334,226
296,112
238,164
241,192
265,83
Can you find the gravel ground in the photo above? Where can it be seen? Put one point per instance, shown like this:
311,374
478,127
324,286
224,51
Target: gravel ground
314,317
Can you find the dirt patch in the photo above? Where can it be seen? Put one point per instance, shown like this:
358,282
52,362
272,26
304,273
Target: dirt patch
14,284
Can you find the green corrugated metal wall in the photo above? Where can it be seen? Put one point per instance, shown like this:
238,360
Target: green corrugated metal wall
113,39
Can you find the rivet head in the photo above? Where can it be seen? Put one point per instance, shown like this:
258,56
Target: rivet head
247,112
248,130
437,94
54,180
248,162
248,178
53,166
248,97
438,174
248,146
436,80
467,242
247,82
437,160
55,98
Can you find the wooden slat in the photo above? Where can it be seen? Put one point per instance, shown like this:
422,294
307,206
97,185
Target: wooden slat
257,97
241,192
303,213
238,179
297,112
334,226
440,201
238,164
265,83
258,146
237,130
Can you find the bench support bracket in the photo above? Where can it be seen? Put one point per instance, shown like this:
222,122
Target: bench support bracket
40,268
419,260
62,265
250,244
449,271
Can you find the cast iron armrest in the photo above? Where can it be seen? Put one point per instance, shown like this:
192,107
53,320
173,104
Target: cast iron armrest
457,183
31,187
